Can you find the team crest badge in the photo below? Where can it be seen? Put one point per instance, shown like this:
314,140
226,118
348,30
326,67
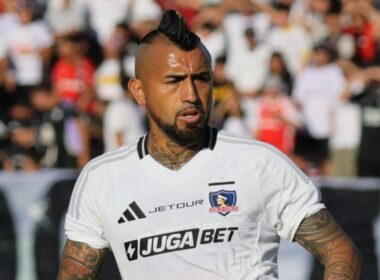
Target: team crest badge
223,202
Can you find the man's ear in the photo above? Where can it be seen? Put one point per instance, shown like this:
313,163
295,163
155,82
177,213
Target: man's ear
135,87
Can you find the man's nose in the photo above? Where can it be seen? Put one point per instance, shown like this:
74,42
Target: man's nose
190,93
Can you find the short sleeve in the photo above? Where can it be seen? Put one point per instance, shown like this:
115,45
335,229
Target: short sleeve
43,35
288,195
83,223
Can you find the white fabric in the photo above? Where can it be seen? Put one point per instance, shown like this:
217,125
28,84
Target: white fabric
215,44
105,14
108,80
65,19
272,198
121,116
8,21
346,127
250,69
318,90
145,10
237,126
294,43
235,24
25,43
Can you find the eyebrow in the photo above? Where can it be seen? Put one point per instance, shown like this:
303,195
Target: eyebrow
183,76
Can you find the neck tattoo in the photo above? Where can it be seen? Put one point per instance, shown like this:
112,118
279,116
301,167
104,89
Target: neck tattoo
172,155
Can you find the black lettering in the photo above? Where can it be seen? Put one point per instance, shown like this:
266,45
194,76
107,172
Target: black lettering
161,208
154,211
181,205
232,230
171,206
168,242
199,202
190,204
219,235
207,236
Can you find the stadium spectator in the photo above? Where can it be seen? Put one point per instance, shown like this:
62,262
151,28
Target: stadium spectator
24,151
208,26
62,132
66,16
108,76
282,36
123,122
226,112
344,43
311,15
248,70
363,23
72,74
317,91
240,15
138,13
29,46
277,117
278,68
189,9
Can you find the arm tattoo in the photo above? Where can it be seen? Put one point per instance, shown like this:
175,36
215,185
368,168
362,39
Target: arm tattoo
80,261
322,236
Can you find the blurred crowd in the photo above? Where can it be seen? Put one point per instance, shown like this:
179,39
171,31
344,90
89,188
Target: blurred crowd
302,75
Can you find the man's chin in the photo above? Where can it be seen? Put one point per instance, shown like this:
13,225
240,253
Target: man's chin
188,135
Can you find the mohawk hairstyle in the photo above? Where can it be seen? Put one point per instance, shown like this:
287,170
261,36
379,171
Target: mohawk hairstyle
173,26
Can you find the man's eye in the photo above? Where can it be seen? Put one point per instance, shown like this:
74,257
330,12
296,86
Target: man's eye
204,78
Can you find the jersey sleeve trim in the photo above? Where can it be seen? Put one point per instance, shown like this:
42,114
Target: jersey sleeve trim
83,232
302,216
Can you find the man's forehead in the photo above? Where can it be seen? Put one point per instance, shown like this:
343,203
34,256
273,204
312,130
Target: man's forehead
165,54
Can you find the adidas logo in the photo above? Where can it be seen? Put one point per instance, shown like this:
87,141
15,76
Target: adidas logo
127,214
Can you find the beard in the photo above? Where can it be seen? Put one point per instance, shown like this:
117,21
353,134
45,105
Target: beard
190,134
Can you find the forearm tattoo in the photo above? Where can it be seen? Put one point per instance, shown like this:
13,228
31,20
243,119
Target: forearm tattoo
80,261
322,236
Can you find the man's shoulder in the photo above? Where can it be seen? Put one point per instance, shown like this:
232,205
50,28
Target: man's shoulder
112,159
236,143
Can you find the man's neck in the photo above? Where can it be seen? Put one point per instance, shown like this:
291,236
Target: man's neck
171,154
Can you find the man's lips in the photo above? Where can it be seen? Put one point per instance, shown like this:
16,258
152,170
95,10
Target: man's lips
190,115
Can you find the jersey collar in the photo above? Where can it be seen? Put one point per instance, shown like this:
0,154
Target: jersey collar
142,145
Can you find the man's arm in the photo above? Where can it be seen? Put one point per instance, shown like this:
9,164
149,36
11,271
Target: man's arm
80,261
323,237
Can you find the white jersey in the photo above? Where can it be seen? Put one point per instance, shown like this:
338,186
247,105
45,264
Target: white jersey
220,216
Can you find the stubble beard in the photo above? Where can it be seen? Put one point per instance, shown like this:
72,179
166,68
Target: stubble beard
188,136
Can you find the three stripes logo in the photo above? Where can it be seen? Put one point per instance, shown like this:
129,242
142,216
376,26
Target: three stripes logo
131,213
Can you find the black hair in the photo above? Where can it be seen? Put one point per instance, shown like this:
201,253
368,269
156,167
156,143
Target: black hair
249,32
281,7
173,26
222,59
76,37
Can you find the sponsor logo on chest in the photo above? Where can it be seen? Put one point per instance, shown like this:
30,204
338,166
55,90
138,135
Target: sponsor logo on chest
175,206
176,241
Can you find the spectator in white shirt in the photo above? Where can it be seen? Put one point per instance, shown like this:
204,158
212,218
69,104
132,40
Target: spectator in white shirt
290,39
29,46
123,122
317,91
66,16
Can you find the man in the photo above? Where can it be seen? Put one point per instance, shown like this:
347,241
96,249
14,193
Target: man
317,92
154,202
